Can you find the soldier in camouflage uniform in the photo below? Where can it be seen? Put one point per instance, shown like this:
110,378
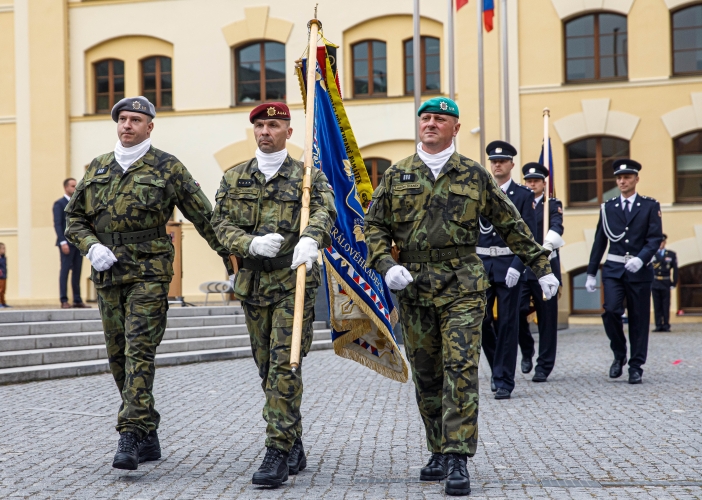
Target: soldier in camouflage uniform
257,218
117,217
429,204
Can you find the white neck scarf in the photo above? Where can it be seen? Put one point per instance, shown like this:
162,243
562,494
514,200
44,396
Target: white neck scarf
436,162
269,163
126,157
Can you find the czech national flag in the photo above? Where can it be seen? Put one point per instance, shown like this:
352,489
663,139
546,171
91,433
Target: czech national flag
488,11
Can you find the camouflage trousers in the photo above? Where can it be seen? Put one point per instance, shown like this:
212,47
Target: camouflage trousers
270,329
443,347
134,321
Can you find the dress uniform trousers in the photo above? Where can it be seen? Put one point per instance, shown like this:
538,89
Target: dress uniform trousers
547,317
661,303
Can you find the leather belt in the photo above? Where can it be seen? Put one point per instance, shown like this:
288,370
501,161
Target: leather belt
268,265
663,278
621,259
494,251
435,255
133,237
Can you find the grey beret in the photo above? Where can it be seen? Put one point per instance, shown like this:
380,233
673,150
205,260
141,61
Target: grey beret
138,104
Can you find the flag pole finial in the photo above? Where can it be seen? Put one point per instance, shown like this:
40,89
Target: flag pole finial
547,112
315,10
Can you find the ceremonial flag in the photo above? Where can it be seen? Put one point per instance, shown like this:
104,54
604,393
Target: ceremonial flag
488,14
362,313
461,3
551,187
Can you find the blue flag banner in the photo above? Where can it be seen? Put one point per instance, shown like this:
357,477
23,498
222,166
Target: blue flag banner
361,310
551,187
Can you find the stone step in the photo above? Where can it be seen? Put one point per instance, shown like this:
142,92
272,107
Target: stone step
97,338
56,355
38,315
89,367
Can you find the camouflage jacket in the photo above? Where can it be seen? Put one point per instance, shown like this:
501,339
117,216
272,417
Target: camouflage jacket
109,200
247,206
417,212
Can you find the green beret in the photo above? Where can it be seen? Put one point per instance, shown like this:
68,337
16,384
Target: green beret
440,106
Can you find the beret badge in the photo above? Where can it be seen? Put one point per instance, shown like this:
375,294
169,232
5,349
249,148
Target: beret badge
136,105
271,111
443,106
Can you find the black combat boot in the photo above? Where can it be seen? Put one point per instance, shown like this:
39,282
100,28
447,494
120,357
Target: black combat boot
435,470
149,448
457,478
127,456
273,470
297,460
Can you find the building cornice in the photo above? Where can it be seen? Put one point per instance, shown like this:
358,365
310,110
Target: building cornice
639,82
4,120
7,8
8,231
96,3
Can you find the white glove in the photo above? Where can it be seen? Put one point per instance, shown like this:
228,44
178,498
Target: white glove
591,283
634,265
553,240
306,252
398,278
231,280
512,277
101,257
549,285
266,246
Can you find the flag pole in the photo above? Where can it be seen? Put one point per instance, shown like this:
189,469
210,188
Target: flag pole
481,82
547,164
417,69
505,66
295,348
451,56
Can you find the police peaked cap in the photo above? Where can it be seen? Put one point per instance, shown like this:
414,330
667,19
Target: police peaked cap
534,170
626,166
439,106
138,104
500,150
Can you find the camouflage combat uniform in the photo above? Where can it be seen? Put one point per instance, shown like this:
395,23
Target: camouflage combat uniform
247,206
133,293
442,310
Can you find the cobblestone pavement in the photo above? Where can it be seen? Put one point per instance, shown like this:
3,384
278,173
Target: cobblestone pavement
581,435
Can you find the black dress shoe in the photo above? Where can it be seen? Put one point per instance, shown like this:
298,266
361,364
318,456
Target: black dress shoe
493,387
297,460
127,456
658,329
435,470
539,376
273,470
457,478
635,378
503,394
615,371
149,448
527,365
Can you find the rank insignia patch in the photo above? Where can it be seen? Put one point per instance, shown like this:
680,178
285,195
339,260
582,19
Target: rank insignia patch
244,183
407,177
101,171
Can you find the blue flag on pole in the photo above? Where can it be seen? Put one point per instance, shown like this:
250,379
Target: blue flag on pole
361,310
551,188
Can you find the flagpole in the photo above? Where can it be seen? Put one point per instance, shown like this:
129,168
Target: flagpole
295,348
417,69
451,43
505,66
481,84
547,164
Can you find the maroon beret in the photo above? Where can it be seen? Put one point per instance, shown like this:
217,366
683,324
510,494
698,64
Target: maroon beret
270,110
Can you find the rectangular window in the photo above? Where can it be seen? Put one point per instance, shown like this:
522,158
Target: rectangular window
687,40
596,47
156,82
369,69
590,175
430,65
109,84
260,72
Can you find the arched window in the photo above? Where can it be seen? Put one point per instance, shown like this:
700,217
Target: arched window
582,301
430,65
260,72
157,82
596,48
376,168
688,168
369,69
690,288
109,84
590,179
687,40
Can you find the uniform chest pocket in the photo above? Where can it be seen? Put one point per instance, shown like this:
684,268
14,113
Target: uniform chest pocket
290,211
243,206
96,191
407,202
462,205
149,192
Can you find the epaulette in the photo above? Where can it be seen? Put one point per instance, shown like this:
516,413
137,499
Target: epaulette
648,198
615,198
523,187
553,199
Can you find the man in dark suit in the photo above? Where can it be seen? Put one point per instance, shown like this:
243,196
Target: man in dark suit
632,226
71,260
506,274
664,262
546,310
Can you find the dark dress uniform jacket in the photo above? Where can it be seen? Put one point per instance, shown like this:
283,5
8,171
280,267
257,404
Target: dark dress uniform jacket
555,223
496,267
662,267
641,233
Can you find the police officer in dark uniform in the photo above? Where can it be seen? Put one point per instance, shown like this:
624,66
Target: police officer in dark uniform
664,262
631,224
546,310
506,274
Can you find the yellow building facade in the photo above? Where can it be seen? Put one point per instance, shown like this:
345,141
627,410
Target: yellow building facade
621,77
